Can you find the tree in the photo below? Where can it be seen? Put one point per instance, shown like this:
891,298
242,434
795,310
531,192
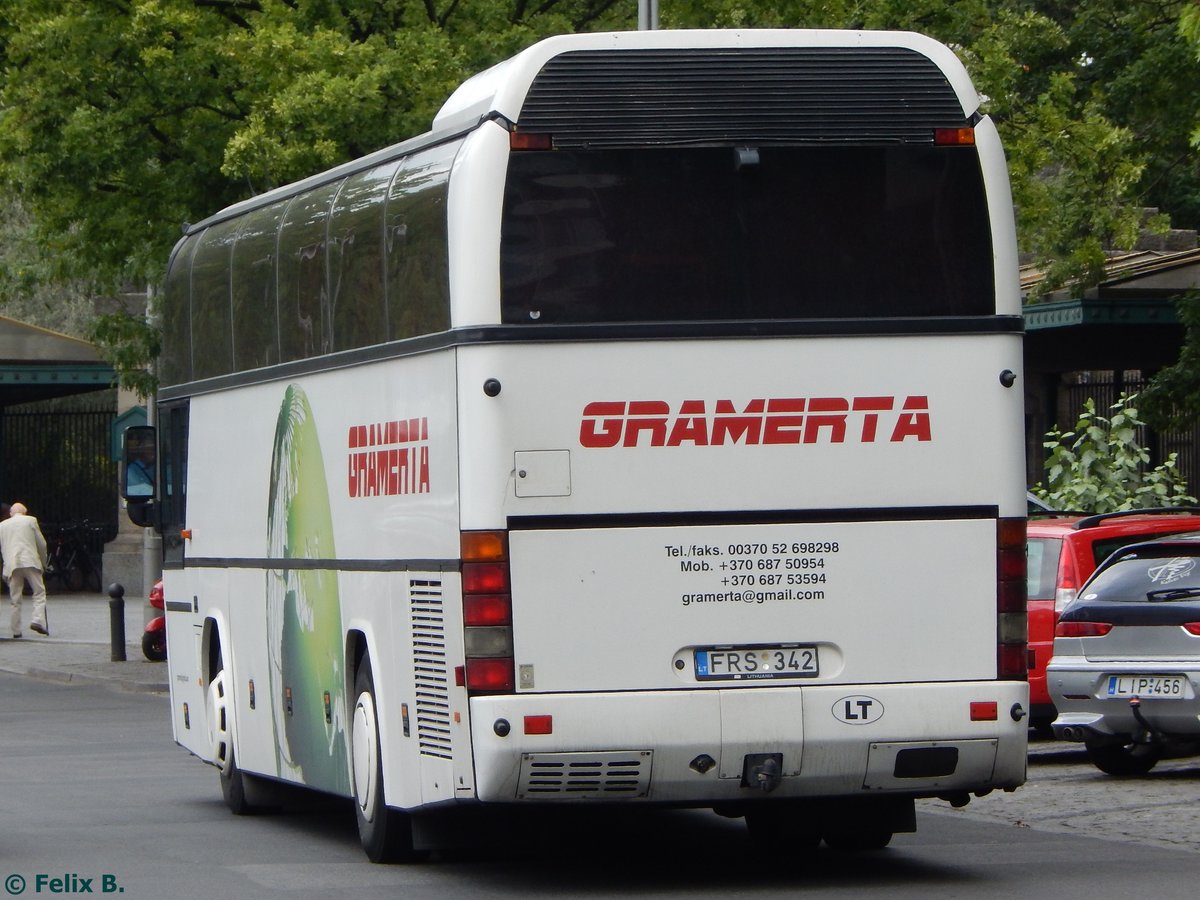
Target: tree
33,288
1102,467
121,119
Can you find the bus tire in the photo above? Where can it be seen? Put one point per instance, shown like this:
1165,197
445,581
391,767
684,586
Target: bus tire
858,841
386,834
233,789
781,828
237,788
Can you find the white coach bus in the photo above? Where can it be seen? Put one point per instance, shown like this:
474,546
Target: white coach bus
647,433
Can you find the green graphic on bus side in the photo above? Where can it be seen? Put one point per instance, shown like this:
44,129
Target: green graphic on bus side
304,618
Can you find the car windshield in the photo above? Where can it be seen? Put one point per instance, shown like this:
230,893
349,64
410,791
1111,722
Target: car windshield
1159,578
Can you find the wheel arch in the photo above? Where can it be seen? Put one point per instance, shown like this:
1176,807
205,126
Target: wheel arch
215,651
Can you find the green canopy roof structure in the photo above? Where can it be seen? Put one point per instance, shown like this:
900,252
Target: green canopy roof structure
37,364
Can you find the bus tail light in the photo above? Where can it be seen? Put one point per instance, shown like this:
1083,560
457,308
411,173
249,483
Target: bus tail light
490,676
954,137
487,613
1012,630
528,140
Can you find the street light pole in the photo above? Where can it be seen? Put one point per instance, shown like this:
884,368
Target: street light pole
647,15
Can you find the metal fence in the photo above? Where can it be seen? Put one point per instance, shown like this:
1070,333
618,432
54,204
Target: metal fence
57,460
1105,388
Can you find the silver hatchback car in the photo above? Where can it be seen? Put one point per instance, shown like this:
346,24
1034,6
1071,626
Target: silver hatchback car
1125,675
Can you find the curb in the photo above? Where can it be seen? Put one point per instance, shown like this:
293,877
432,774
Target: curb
60,676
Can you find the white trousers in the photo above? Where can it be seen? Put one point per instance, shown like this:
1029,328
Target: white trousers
16,592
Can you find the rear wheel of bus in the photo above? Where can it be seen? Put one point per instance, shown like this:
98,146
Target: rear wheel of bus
786,827
386,834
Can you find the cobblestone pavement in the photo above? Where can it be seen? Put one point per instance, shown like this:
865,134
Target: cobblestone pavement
1066,794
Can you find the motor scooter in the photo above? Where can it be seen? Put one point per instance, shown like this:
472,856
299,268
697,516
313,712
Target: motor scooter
154,638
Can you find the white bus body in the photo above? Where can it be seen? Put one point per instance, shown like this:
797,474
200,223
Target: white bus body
749,565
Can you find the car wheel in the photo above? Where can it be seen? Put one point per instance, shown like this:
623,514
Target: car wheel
1123,759
386,834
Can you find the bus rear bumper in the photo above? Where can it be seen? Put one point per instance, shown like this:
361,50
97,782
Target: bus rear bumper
718,746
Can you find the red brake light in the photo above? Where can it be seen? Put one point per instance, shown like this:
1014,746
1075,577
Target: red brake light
487,613
484,578
1012,627
1012,662
1082,629
487,609
1192,628
491,675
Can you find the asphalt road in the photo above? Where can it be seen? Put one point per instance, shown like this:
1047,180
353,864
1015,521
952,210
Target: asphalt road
94,787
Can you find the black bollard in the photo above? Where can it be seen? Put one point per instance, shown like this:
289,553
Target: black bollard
116,621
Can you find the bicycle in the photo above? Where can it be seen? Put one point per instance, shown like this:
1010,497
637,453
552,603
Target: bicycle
70,566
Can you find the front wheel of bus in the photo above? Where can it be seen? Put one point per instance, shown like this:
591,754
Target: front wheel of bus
386,834
236,786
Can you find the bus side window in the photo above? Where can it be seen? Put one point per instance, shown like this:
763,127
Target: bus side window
356,259
305,310
418,290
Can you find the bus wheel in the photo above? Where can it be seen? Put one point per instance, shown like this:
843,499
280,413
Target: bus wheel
386,834
234,783
220,718
781,827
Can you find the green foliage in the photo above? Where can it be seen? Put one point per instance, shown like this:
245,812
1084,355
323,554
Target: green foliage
33,287
1101,467
1172,399
130,344
121,119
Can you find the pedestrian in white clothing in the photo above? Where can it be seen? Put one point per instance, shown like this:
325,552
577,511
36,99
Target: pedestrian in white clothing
24,551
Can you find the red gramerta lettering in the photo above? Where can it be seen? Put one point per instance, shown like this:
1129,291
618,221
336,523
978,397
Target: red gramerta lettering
388,458
773,420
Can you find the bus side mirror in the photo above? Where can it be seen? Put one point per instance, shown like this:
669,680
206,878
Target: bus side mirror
142,513
140,469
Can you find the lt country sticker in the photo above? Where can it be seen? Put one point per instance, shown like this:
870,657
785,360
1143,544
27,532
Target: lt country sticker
858,709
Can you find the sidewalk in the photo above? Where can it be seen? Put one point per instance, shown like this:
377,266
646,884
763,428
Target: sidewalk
79,648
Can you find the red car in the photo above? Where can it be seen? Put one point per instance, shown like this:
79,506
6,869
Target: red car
1063,550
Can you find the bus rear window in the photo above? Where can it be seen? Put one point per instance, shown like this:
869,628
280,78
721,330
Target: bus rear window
703,234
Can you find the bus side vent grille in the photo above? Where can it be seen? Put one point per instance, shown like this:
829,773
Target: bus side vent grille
610,775
746,96
429,668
